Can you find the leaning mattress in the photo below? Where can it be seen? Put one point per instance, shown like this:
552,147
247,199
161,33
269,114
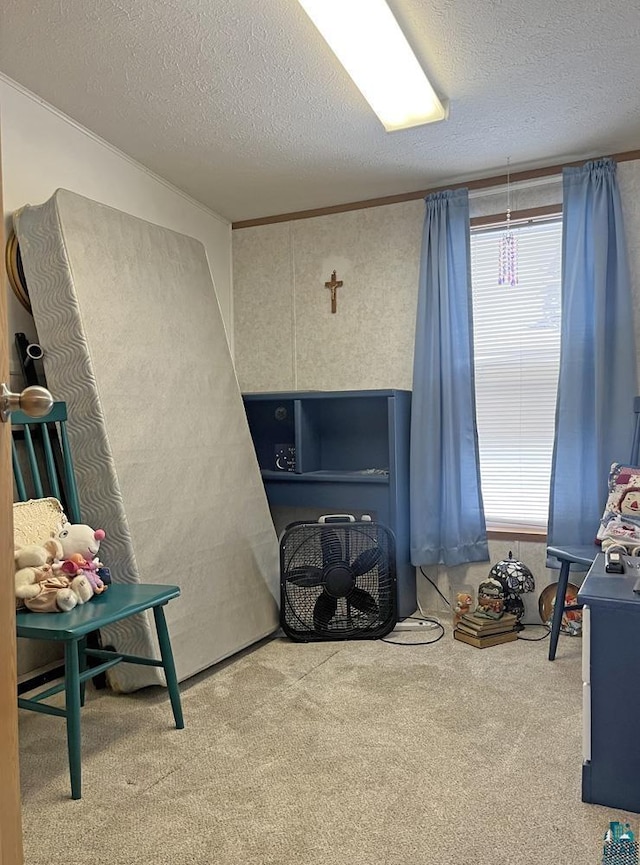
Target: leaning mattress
134,343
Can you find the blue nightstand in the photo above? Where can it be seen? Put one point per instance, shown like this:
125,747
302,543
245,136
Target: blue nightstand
611,692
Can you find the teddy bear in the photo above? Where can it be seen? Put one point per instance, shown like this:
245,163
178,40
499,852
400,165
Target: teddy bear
464,602
34,563
40,585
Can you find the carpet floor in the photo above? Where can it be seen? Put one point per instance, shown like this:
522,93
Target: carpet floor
357,753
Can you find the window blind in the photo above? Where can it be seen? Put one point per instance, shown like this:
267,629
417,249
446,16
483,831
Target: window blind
517,353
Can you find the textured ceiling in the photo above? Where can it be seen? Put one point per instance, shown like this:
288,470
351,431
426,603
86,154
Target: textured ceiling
241,104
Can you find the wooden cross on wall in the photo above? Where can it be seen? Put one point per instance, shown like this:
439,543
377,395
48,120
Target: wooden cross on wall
333,285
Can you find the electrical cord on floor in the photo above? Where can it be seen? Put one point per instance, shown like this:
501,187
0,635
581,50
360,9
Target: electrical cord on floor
535,625
424,615
435,623
421,643
430,620
446,600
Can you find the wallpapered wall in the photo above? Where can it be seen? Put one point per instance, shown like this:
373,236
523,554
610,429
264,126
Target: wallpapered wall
287,339
42,150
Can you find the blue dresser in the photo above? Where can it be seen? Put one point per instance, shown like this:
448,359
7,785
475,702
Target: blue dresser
338,452
611,687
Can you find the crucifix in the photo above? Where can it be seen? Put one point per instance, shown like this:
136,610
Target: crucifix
333,285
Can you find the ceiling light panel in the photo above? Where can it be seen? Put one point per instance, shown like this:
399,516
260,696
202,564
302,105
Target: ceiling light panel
368,42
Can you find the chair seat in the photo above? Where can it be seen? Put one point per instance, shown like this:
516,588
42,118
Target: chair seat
119,601
579,555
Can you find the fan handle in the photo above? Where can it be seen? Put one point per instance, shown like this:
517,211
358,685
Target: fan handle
337,518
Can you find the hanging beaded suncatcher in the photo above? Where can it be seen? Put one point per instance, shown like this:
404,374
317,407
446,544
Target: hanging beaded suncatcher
508,247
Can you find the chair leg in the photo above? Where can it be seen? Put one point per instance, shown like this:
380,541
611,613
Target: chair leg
558,609
72,696
82,666
166,654
99,682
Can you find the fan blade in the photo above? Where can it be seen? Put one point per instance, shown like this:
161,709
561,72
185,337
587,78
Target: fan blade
331,548
305,577
323,611
363,601
366,561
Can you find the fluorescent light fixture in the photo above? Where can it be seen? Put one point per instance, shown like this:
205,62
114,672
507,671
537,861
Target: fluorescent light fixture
367,40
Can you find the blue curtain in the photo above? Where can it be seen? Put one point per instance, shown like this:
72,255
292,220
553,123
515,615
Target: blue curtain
446,510
594,412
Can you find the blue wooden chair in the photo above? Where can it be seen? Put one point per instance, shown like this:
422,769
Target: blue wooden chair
582,556
38,442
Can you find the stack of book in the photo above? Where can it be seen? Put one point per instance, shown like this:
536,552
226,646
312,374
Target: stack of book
482,633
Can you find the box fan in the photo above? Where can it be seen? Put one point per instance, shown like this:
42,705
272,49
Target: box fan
337,579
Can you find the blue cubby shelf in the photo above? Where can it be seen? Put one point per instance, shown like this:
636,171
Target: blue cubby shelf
342,477
350,453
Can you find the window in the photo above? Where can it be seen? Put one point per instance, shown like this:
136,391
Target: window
517,355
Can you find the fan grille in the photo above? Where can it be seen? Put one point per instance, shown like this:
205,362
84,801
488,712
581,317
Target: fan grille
338,581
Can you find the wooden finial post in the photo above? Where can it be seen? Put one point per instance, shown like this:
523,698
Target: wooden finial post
332,286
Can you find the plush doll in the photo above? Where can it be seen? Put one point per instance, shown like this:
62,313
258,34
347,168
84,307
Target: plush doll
80,545
76,564
97,583
78,539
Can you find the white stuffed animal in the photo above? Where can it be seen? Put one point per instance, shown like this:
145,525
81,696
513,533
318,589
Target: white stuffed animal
80,545
40,584
60,593
34,563
77,539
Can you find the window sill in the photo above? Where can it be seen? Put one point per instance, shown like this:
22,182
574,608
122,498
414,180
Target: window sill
503,533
